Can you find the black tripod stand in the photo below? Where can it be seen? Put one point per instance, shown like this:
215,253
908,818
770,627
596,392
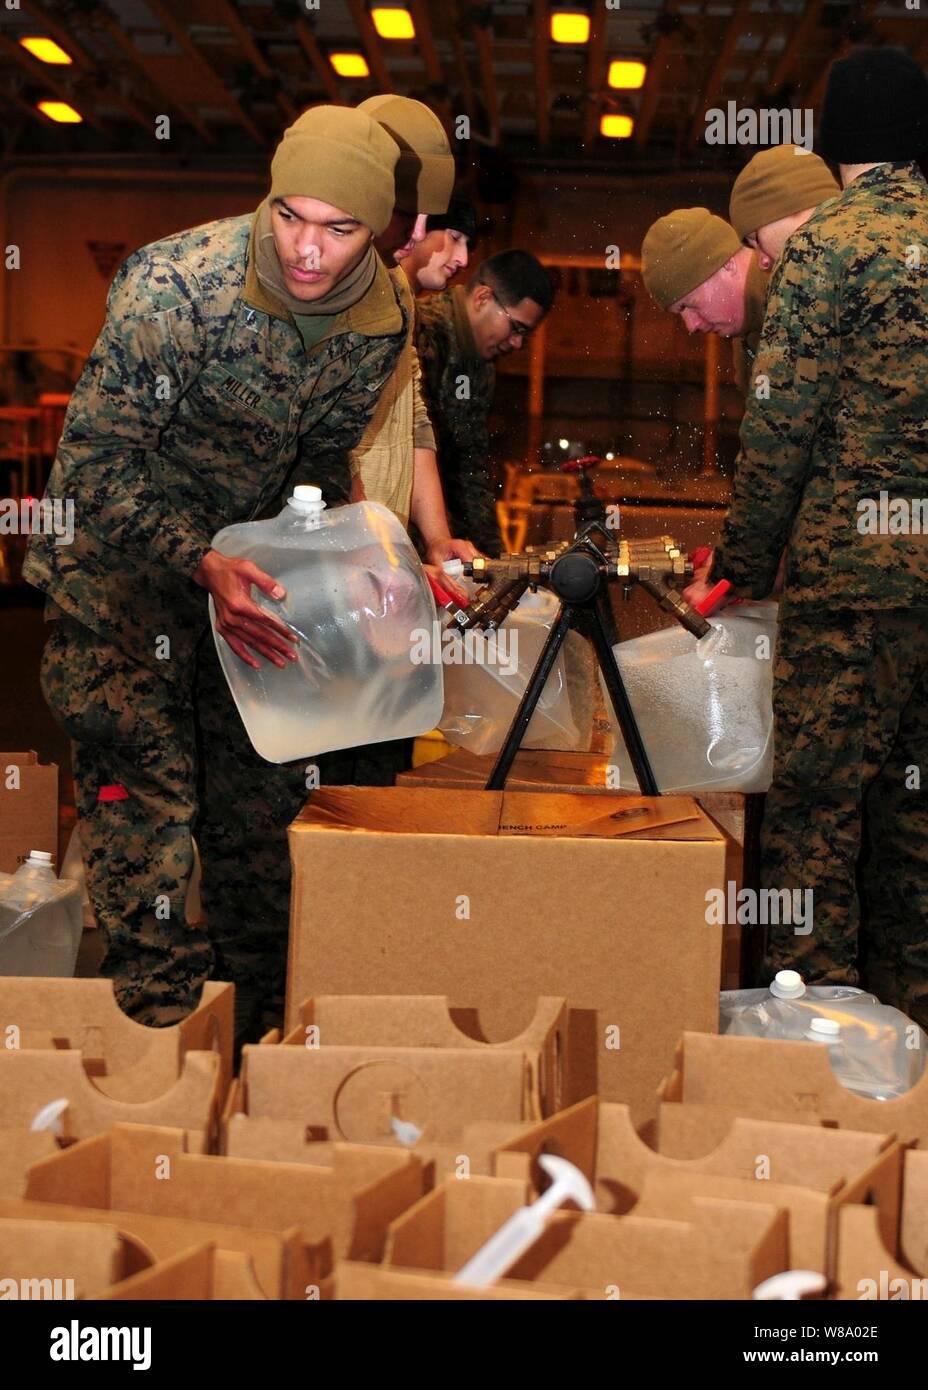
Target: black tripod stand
579,572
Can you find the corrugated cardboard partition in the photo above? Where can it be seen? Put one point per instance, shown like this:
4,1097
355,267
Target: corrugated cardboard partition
758,1077
204,1274
82,1260
28,809
496,899
869,1268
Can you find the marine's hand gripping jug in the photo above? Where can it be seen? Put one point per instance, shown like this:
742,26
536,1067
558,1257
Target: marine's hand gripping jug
356,596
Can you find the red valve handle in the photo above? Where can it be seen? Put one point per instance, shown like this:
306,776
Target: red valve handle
713,598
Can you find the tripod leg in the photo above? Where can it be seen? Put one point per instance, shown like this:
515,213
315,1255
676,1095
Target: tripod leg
622,705
553,643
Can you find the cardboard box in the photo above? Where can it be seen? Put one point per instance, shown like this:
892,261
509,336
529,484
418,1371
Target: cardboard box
292,1220
723,1251
31,1078
204,1274
65,1260
356,1065
809,1172
370,1283
726,1076
867,1268
28,809
128,1061
739,816
19,1149
496,899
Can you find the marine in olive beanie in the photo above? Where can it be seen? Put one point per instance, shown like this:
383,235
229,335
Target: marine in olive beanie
425,168
682,250
777,183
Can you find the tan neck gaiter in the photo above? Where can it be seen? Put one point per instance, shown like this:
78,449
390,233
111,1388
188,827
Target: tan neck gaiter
347,292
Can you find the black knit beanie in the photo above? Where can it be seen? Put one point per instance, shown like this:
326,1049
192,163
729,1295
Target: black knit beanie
875,108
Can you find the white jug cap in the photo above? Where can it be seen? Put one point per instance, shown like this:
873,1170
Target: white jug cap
824,1030
453,567
787,984
40,856
306,497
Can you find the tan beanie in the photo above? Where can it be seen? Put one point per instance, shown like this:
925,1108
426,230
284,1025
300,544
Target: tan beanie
682,250
339,156
425,169
776,183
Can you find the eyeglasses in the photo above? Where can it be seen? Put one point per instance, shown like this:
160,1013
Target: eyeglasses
516,329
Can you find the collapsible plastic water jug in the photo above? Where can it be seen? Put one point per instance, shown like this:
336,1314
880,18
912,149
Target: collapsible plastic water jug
40,920
356,598
484,686
875,1049
704,708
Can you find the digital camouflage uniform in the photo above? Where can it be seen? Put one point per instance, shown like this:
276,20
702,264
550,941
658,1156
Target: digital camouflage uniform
744,346
845,349
196,405
458,388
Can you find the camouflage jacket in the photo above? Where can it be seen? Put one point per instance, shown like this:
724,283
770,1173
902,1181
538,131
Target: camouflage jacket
744,347
194,407
458,386
844,349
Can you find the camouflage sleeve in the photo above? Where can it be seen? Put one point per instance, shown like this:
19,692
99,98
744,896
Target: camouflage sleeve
795,373
149,350
474,503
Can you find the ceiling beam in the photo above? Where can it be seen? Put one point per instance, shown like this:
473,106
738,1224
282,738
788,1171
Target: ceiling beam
370,42
595,73
460,57
797,43
246,42
433,65
119,36
321,65
716,79
862,15
657,68
179,34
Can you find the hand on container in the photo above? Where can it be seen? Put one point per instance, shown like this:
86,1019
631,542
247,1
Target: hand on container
444,581
248,629
447,549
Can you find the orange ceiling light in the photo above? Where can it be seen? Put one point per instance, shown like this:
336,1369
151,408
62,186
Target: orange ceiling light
626,74
350,64
46,50
616,127
570,26
393,22
60,112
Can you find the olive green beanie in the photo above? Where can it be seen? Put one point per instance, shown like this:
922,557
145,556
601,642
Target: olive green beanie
776,183
682,250
425,168
340,156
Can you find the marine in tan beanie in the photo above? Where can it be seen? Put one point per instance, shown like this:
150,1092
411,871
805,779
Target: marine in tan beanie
776,193
424,174
694,265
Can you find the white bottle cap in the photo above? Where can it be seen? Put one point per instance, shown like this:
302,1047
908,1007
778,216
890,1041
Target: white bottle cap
453,567
826,1030
40,856
306,498
787,984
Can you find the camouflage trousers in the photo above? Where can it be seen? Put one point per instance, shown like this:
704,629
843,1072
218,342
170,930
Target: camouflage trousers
847,814
181,756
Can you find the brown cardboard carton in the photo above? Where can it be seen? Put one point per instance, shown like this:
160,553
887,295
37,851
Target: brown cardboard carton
804,1170
66,1260
291,1219
723,1251
369,1283
496,899
739,816
727,1076
355,1066
201,1275
28,809
867,1268
32,1077
19,1148
127,1061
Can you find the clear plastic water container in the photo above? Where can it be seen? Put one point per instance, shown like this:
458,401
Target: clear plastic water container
704,708
40,920
483,692
356,596
875,1050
